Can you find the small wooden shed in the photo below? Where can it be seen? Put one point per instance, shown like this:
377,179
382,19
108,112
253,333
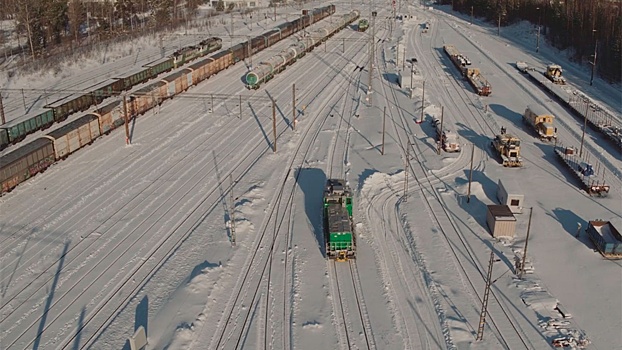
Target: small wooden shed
501,221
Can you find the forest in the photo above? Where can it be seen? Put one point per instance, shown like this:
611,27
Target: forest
591,30
584,27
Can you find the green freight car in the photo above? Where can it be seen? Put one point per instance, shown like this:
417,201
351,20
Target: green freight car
363,25
338,228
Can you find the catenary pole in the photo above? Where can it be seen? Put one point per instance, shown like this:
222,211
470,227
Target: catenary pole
482,315
294,105
2,118
522,267
471,173
127,128
384,116
274,122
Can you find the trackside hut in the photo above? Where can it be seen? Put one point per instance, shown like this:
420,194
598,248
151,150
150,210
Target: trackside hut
501,221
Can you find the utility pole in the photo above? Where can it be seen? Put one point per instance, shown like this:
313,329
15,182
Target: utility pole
587,108
522,267
482,315
471,15
250,53
127,128
212,109
294,104
499,25
412,72
232,212
240,107
538,37
440,132
384,116
594,61
371,55
24,101
406,167
422,102
2,118
274,122
231,22
471,173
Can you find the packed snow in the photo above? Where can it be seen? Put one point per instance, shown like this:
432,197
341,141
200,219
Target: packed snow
209,234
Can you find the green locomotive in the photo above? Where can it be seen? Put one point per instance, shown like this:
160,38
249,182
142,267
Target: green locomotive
338,228
363,25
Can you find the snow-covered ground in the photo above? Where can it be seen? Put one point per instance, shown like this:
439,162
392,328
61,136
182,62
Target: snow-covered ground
209,235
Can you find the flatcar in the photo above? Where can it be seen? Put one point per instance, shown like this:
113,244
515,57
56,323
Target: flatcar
338,228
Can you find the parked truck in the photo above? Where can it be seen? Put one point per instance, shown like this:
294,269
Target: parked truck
508,148
541,121
448,139
583,171
606,238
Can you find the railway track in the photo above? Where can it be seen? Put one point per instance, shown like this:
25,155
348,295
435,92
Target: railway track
354,331
614,175
437,210
89,319
285,195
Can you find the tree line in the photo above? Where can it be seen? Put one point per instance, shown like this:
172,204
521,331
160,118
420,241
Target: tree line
584,26
50,23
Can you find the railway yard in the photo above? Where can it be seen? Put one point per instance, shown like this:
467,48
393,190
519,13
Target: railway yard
202,219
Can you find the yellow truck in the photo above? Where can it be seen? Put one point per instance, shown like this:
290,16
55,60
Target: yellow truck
541,121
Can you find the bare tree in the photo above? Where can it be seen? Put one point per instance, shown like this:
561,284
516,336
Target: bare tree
76,14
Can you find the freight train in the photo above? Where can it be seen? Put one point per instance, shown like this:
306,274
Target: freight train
34,157
57,111
338,228
472,75
267,69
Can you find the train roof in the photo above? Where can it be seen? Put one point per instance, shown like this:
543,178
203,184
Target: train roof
539,110
200,63
132,72
75,124
24,117
23,151
108,107
171,77
66,98
219,54
149,88
157,62
338,219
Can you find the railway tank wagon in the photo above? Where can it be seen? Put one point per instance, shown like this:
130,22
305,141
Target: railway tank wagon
267,69
339,234
270,67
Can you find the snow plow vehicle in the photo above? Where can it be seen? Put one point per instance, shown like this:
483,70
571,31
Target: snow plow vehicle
508,148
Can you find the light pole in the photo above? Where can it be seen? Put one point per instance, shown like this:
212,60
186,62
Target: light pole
538,37
594,60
